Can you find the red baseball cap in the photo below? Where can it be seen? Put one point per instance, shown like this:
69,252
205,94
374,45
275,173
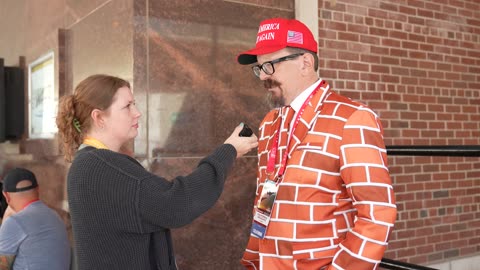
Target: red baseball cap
276,34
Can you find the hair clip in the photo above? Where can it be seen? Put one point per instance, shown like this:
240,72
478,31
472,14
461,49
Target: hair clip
77,125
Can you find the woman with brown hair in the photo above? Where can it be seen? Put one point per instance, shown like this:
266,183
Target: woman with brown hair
121,213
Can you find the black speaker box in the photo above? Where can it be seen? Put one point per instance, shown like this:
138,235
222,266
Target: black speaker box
14,102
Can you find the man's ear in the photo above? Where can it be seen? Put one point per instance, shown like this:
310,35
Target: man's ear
307,62
97,118
7,196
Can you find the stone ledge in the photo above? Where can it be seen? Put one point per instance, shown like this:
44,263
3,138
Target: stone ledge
19,157
469,263
9,148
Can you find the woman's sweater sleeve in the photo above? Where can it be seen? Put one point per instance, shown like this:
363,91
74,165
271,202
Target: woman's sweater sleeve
175,203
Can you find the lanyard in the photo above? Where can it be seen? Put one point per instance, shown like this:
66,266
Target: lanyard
30,202
94,142
273,152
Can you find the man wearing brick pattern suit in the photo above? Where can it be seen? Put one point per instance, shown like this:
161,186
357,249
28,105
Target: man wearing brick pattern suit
324,156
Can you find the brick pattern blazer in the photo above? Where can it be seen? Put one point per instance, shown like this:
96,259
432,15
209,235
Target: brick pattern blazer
335,206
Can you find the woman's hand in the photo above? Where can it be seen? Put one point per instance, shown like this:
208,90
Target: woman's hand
243,145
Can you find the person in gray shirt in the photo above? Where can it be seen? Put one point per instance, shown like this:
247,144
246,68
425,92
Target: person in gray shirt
32,236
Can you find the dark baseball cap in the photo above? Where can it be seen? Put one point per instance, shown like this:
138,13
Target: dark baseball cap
17,175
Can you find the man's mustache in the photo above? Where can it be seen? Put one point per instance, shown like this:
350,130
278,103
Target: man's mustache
269,83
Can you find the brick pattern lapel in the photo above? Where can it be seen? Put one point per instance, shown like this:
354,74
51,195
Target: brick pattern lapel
309,116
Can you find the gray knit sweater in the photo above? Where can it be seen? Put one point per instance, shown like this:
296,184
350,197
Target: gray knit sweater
121,213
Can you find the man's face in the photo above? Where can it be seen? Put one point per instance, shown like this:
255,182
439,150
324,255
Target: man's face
275,96
279,84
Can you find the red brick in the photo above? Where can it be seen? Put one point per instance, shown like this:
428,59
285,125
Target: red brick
336,64
327,34
369,39
409,80
418,73
472,6
425,13
335,26
380,69
391,42
390,79
357,28
424,249
400,71
376,13
378,31
407,10
379,50
348,36
324,53
416,3
426,47
338,45
398,34
358,47
408,252
433,6
348,75
416,20
408,63
410,45
417,55
358,66
419,38
398,52
388,6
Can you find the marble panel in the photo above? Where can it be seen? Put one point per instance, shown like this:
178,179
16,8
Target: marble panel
198,92
102,42
140,74
41,149
76,11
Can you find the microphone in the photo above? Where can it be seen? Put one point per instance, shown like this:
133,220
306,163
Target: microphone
246,131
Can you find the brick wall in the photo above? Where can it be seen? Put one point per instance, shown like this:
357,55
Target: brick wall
417,64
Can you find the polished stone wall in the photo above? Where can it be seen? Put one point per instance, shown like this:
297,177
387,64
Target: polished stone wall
193,94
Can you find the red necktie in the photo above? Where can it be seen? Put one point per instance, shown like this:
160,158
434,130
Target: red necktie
287,116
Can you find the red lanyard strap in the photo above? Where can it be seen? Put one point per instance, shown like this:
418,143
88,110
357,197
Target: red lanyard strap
30,202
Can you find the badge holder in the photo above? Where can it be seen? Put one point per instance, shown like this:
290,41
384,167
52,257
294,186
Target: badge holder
264,209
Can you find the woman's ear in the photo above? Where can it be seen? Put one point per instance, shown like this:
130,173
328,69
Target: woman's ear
97,118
